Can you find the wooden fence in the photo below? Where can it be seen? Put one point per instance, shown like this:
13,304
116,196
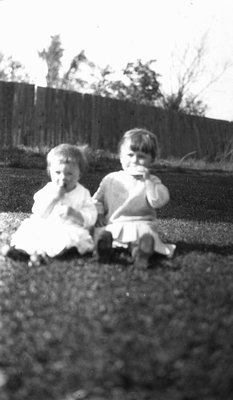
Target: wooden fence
37,116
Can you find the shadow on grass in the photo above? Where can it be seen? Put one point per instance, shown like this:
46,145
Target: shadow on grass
184,247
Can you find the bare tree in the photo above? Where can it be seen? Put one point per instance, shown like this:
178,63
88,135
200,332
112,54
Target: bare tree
190,70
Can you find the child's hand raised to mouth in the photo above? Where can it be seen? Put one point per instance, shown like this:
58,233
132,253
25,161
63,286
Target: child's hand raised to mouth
139,170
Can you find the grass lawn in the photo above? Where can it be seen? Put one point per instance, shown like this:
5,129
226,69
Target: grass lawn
76,329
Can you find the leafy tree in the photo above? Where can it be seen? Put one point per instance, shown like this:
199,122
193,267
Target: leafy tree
52,56
73,79
16,71
12,70
3,75
139,83
143,85
102,86
80,67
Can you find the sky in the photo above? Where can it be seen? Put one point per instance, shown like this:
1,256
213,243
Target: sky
115,32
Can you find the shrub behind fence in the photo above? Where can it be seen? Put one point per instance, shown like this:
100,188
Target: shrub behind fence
37,116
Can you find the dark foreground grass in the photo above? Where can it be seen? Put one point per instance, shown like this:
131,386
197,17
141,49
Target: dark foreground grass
77,329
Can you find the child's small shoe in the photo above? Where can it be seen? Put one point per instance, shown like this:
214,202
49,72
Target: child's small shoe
142,253
104,247
13,253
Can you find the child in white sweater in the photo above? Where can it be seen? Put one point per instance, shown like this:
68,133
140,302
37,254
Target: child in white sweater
63,212
127,200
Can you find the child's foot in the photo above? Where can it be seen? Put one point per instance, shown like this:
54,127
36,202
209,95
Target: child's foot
5,250
104,247
37,259
142,253
13,253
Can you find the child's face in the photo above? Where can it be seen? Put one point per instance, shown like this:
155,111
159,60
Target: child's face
64,175
132,159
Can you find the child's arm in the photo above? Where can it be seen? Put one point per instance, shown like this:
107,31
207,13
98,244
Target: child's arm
68,212
99,201
46,199
157,194
88,211
84,216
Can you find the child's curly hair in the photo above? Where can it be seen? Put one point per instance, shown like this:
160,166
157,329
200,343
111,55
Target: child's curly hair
69,153
141,140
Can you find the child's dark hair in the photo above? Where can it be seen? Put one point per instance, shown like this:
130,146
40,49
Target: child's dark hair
141,140
69,153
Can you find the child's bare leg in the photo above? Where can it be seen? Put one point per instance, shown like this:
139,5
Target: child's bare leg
143,251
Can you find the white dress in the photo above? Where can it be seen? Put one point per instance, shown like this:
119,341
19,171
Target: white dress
54,234
129,204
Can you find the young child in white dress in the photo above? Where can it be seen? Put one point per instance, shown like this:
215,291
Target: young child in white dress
127,201
63,212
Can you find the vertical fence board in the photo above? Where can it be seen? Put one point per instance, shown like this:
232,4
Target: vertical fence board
50,113
2,113
23,114
87,118
40,138
59,116
76,119
7,90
